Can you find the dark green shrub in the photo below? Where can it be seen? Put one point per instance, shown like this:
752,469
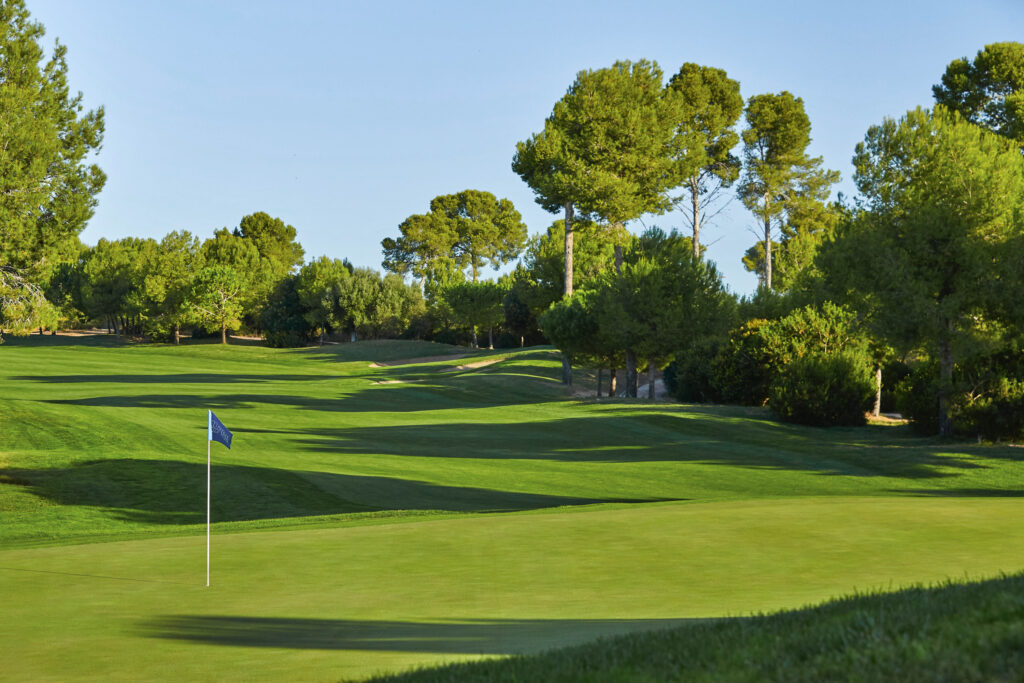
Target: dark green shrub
823,390
917,398
893,373
743,368
998,414
281,319
690,377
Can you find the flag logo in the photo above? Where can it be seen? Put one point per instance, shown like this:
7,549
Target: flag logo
216,431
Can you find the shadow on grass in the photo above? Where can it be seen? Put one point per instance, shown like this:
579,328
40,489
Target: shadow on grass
476,636
179,378
98,340
174,492
652,438
428,390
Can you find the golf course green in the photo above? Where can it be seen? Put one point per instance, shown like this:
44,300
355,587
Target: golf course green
390,505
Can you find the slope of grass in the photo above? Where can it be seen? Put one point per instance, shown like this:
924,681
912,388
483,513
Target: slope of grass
101,442
956,632
326,604
377,467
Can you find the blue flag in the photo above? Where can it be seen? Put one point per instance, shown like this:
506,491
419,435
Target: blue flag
216,431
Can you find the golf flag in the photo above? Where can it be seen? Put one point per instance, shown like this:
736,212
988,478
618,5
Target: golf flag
216,431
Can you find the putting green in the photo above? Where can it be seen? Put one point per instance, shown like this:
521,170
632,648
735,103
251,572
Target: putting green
324,604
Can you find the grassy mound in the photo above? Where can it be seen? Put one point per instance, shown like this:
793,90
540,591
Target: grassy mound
957,632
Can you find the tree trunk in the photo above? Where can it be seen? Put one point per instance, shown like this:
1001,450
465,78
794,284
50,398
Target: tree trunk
177,333
599,373
321,336
567,292
223,333
945,384
352,336
522,341
490,338
695,200
568,249
475,345
650,381
117,330
877,410
767,243
611,382
630,373
618,259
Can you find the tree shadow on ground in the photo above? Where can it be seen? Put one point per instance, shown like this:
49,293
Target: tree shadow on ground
424,393
655,438
174,492
470,636
178,378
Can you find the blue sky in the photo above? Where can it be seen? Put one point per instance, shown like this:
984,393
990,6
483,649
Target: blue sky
343,118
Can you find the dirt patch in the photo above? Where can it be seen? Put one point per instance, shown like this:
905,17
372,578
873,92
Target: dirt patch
420,359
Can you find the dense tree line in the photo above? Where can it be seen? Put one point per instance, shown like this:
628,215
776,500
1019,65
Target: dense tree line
906,297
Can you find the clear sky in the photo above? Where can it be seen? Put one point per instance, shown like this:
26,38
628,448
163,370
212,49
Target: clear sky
343,118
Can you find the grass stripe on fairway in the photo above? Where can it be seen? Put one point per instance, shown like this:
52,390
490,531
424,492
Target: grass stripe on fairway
325,604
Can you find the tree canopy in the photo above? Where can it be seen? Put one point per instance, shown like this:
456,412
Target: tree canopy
708,104
469,229
941,241
48,187
989,90
778,175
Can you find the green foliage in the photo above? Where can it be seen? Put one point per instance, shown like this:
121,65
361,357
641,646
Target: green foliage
283,320
476,305
665,298
274,240
944,200
113,285
985,395
23,305
216,297
707,105
747,364
316,286
988,91
371,306
999,413
743,367
544,260
47,187
780,183
469,229
572,325
690,378
824,390
603,148
167,283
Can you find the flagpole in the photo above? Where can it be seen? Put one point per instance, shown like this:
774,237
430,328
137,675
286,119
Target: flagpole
207,512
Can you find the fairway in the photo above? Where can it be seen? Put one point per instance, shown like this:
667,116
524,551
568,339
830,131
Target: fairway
373,518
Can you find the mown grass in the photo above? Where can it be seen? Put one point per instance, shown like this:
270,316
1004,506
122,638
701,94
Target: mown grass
383,482
101,442
956,632
333,603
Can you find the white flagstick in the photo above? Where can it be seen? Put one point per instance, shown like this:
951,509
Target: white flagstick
209,422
